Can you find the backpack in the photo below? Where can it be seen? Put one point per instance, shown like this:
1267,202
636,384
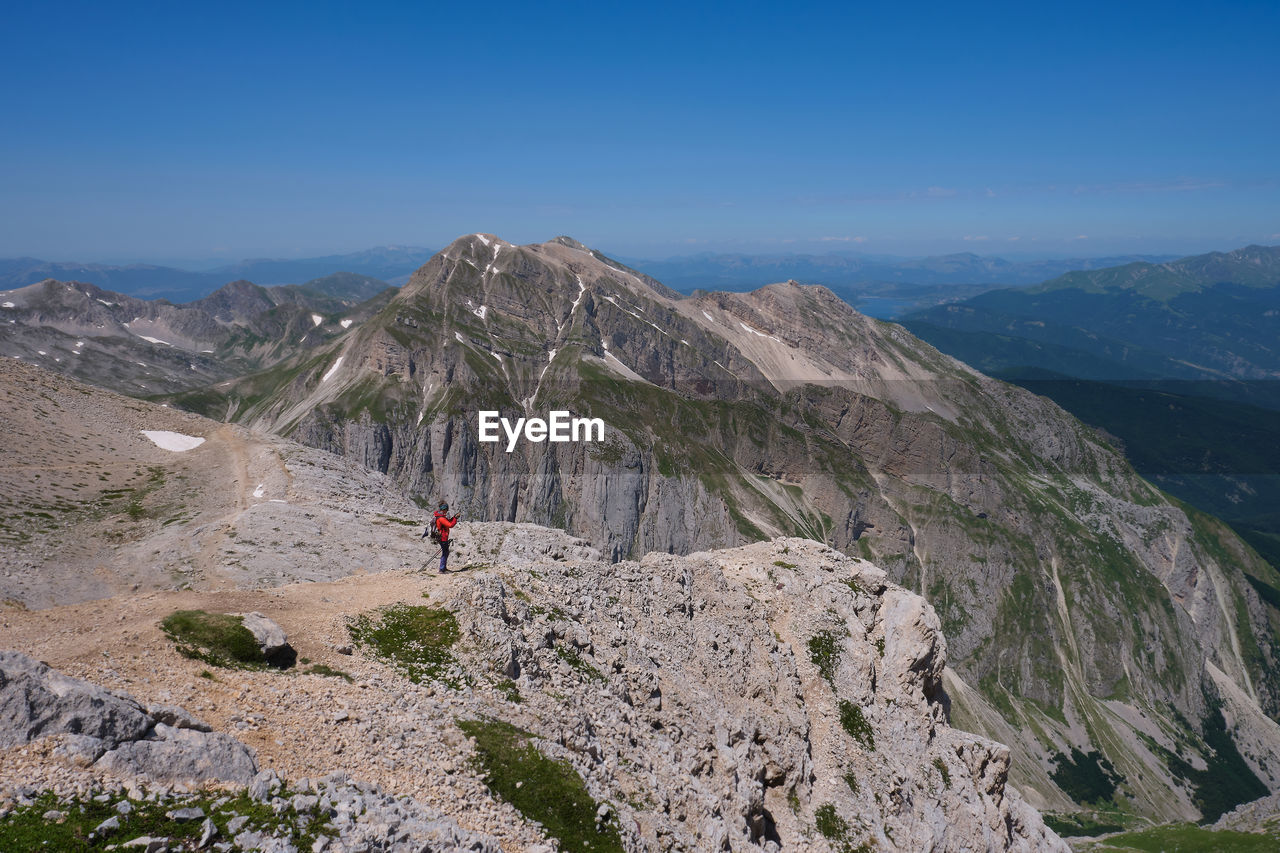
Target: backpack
433,532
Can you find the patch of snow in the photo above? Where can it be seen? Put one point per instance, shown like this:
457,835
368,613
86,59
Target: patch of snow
708,316
551,356
276,501
42,352
332,370
260,491
761,334
497,356
458,335
483,239
75,352
346,324
106,303
481,311
206,350
420,414
79,343
686,343
10,305
155,341
317,319
175,441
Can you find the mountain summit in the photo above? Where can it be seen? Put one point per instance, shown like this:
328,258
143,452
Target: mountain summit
1089,619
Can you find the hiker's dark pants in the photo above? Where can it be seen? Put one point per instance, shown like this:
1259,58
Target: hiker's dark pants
444,555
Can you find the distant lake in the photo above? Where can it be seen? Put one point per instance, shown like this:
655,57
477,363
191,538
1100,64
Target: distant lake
883,307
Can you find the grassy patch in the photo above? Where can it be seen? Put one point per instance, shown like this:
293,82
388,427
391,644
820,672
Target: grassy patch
852,781
824,651
943,771
854,722
578,663
327,671
26,829
416,640
1074,824
836,829
540,788
1189,838
782,564
219,639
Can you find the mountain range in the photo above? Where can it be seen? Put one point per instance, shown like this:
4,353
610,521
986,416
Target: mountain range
388,263
865,281
143,347
1177,361
736,417
1122,644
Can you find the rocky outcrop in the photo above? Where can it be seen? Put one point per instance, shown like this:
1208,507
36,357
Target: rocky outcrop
777,696
113,732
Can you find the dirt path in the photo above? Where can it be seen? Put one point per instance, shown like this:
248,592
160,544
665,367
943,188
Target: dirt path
289,718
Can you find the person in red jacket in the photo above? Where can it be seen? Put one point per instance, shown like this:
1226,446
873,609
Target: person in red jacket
442,523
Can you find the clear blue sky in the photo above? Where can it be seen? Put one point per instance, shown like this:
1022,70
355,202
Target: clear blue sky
223,130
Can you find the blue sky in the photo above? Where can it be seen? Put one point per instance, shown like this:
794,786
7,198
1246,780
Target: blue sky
226,130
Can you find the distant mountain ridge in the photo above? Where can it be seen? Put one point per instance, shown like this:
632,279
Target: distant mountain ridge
392,264
143,347
850,275
838,270
1213,316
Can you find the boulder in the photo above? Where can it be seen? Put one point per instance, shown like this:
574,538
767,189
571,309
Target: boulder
37,701
271,639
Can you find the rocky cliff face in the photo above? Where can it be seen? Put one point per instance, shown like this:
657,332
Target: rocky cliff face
1082,604
746,694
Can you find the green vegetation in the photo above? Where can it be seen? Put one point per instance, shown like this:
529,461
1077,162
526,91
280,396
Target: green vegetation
851,780
1227,781
328,671
824,651
540,788
218,639
578,663
1077,824
853,721
943,771
1189,838
782,564
416,640
1085,778
26,828
836,829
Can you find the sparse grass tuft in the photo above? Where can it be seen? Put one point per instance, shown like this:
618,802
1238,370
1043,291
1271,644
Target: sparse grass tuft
824,651
836,829
26,828
218,639
328,671
416,640
540,788
854,722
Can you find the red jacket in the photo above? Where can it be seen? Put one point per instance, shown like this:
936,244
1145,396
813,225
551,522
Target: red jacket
443,523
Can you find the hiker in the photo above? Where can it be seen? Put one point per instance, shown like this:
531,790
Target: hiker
440,525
